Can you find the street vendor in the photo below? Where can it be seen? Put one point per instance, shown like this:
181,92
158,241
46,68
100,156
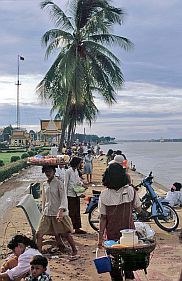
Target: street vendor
115,207
55,220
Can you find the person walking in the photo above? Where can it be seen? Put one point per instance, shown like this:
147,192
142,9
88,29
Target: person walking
54,150
60,172
88,166
116,204
55,220
72,179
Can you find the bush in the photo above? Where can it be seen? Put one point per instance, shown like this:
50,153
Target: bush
37,148
24,155
14,158
31,153
44,153
1,163
7,171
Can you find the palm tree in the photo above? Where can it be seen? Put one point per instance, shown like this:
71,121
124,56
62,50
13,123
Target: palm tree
84,64
78,112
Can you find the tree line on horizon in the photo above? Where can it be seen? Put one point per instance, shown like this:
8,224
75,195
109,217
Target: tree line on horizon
82,138
85,66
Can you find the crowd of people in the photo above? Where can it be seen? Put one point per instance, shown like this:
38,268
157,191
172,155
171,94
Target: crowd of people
61,215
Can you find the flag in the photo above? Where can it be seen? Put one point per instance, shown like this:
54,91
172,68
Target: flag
21,58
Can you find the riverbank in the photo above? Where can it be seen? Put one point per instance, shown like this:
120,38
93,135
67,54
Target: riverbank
166,260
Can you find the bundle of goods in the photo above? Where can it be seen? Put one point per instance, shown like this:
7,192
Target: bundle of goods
130,252
47,160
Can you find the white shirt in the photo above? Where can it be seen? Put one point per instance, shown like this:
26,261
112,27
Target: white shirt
23,263
54,151
54,197
71,179
110,197
174,198
60,173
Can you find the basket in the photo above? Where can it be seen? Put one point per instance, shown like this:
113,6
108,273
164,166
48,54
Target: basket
40,160
132,258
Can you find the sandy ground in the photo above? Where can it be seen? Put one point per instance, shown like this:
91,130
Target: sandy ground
165,263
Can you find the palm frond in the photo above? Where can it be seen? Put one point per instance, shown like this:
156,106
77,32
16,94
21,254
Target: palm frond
111,39
93,47
57,15
102,20
56,34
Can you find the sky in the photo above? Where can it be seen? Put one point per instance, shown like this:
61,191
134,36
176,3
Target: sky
149,104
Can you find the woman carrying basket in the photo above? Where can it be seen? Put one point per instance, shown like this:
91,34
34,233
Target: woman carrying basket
115,206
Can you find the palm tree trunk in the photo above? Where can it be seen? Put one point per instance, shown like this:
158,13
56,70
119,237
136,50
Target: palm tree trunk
64,124
73,133
69,133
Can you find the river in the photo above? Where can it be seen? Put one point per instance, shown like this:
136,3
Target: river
164,159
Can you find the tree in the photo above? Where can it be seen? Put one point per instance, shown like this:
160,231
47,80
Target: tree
84,65
7,132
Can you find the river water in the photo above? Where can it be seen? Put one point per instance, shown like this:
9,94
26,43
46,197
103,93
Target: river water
164,159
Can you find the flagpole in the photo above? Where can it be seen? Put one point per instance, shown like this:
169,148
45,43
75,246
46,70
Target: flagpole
18,95
18,92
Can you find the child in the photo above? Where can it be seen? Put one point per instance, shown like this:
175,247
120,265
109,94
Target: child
38,266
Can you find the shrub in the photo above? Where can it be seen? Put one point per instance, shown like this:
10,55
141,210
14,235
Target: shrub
24,155
15,158
9,169
44,153
1,163
31,153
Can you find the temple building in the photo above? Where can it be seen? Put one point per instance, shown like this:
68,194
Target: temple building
50,131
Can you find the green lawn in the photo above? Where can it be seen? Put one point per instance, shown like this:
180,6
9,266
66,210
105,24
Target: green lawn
6,157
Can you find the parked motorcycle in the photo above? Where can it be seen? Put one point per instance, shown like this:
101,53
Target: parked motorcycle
92,209
153,207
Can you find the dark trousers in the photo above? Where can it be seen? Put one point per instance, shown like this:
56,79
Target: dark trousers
74,211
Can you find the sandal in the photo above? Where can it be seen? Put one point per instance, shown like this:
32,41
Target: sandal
73,258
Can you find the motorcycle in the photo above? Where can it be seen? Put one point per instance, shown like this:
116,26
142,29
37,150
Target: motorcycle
153,207
92,209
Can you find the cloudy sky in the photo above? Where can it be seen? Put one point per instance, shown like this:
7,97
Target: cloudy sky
148,106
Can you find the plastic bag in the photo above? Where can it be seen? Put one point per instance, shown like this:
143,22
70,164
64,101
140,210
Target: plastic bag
144,230
79,189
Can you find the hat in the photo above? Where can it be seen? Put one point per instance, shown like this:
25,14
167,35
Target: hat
119,159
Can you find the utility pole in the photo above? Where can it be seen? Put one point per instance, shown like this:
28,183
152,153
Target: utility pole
18,93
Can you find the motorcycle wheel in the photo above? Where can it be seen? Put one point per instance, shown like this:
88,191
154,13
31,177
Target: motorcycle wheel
167,223
93,218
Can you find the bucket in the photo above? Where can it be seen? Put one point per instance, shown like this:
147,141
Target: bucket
102,264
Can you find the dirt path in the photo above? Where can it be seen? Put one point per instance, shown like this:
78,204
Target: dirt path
166,260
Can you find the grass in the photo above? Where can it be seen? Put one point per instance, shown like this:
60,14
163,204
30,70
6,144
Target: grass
6,157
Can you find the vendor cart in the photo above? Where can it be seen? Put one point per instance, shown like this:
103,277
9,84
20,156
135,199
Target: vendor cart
131,258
